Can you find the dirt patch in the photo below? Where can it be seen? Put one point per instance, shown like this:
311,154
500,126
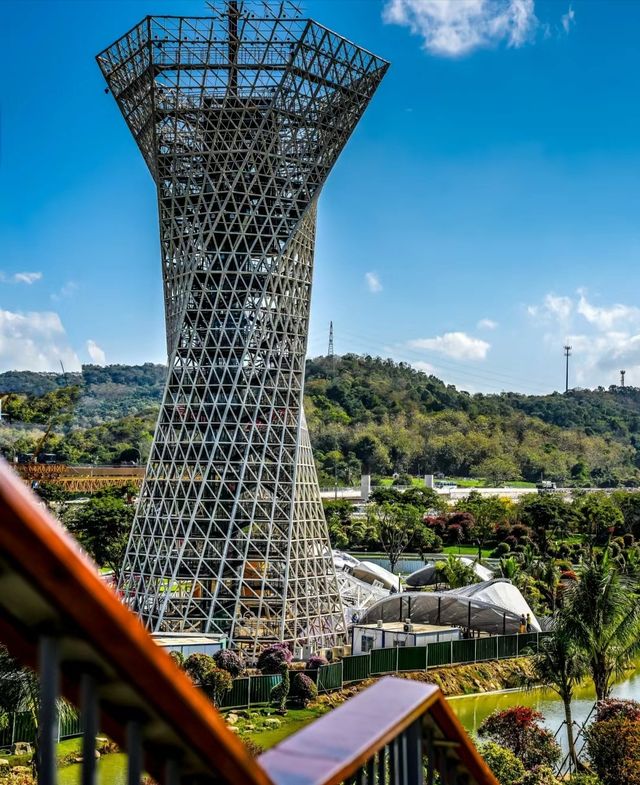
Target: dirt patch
453,679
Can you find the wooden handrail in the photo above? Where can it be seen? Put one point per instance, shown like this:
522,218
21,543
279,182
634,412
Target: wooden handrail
333,748
49,587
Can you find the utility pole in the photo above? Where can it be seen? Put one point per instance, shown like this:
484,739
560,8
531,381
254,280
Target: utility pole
567,354
330,354
622,373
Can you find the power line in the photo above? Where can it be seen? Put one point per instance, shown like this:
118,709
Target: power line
567,354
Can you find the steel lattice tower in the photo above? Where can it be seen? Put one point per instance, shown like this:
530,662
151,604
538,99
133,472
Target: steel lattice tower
240,117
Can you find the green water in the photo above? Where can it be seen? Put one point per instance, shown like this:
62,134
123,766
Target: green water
111,770
472,709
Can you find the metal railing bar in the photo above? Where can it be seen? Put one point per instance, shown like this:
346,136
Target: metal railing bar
134,751
413,737
48,654
89,703
381,768
172,772
371,771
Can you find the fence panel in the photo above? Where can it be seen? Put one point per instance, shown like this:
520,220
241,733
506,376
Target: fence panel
70,725
463,651
507,646
486,649
330,677
357,667
261,686
238,695
439,654
24,728
412,658
528,643
383,660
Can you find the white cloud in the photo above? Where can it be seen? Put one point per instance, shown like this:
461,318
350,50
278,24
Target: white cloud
458,345
96,353
606,318
568,19
27,278
35,341
553,308
487,324
425,367
68,290
453,28
373,282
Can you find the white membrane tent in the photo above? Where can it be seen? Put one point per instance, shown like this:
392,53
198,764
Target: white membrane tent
494,607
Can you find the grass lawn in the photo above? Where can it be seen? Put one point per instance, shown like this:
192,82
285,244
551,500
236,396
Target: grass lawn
265,736
466,550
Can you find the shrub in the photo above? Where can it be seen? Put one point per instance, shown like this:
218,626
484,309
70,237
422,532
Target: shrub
506,768
614,750
217,684
628,540
229,661
617,708
315,661
501,549
273,656
197,666
585,779
540,775
303,689
177,657
519,730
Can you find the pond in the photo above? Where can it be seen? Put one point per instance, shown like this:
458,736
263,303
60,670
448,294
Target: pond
472,709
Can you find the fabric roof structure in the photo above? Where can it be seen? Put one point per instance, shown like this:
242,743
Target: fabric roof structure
373,573
494,607
428,575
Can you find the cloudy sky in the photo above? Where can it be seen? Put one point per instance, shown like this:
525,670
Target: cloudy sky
485,212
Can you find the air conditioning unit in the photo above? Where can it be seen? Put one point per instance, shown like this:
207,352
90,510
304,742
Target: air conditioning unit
380,624
327,654
337,653
298,653
346,651
407,626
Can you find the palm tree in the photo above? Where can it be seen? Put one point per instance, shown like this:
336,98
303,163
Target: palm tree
510,568
561,665
603,617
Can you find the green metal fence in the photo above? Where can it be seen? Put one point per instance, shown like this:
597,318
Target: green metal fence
330,677
356,668
21,727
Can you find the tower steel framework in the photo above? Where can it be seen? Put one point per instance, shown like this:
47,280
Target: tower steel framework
240,117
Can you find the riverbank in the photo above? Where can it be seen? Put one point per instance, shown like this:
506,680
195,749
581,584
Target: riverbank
263,728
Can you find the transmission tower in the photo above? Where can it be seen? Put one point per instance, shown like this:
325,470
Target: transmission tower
330,353
240,117
622,373
567,354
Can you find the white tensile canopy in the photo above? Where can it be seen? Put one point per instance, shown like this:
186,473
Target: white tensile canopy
494,607
371,573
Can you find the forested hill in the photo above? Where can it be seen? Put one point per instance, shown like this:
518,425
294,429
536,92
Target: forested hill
387,415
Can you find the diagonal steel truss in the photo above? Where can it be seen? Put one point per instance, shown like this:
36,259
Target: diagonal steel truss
240,117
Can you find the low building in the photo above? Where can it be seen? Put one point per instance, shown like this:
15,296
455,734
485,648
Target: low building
190,644
365,637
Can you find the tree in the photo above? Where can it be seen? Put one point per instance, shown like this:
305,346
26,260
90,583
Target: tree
603,616
273,657
613,747
488,512
395,526
455,572
547,515
599,517
102,526
498,469
561,665
280,693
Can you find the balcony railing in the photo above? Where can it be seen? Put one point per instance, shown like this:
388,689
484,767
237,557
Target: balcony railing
57,616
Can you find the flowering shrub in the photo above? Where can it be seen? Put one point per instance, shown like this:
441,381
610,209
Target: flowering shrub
315,661
303,689
617,708
502,762
540,775
216,685
273,656
614,750
519,730
229,661
197,666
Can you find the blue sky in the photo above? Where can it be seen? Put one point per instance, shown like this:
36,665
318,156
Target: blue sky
486,210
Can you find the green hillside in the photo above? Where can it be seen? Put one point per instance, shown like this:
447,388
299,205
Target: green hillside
369,411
